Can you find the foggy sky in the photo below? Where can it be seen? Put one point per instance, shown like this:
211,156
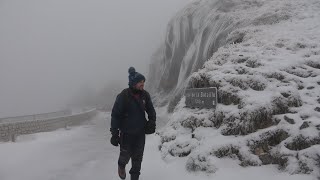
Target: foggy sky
50,49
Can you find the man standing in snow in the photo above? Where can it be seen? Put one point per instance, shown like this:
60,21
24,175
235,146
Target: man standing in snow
129,124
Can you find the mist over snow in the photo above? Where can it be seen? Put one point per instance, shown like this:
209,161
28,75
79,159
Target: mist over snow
53,53
262,55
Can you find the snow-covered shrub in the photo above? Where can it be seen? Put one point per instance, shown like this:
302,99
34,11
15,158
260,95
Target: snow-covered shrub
200,163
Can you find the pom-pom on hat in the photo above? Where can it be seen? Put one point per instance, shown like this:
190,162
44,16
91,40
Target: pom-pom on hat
134,77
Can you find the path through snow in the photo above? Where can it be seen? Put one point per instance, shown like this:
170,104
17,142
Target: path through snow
84,153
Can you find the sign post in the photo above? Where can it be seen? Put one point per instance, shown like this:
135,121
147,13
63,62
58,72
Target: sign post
201,97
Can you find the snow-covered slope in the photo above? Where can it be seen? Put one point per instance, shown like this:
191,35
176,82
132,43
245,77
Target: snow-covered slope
198,30
264,57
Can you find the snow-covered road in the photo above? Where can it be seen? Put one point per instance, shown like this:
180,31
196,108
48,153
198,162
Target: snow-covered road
84,152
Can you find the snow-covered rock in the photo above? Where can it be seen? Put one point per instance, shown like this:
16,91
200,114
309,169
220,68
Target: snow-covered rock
264,58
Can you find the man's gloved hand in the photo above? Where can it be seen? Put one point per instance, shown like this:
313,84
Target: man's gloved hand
115,139
150,127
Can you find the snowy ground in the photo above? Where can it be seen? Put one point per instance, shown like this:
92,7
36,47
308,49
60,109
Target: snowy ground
83,153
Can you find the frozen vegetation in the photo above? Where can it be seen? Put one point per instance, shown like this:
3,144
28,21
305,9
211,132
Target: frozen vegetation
264,58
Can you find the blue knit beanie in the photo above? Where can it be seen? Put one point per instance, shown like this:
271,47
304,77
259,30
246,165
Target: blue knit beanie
134,77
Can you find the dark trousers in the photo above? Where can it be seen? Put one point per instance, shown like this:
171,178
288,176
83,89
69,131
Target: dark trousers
132,146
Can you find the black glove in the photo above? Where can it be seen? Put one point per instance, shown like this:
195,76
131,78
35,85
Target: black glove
150,127
115,139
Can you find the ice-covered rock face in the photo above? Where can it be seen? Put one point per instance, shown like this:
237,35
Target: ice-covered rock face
266,66
198,30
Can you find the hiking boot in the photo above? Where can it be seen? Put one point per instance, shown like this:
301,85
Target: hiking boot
122,172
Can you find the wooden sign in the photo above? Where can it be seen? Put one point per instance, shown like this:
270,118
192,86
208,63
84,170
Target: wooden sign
201,97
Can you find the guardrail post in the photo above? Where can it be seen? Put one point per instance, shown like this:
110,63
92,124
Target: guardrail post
13,137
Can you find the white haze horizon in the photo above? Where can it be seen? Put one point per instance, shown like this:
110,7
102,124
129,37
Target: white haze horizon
50,50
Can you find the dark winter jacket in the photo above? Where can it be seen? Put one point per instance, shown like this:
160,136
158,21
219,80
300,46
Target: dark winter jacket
128,112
